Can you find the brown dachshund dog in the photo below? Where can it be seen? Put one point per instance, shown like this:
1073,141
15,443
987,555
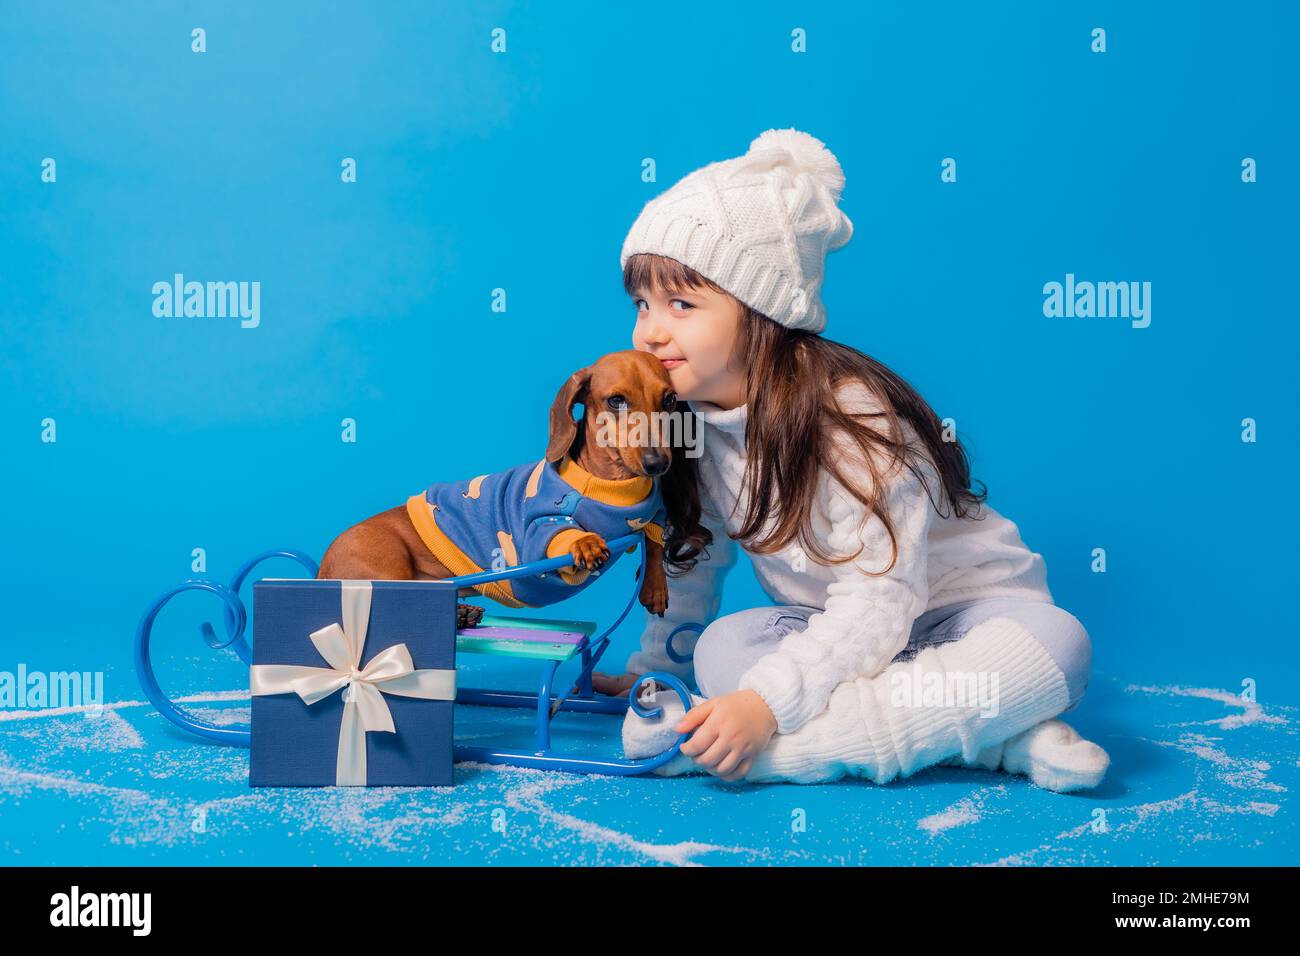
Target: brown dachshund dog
387,546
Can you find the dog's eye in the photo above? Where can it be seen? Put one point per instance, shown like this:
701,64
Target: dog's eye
670,400
616,401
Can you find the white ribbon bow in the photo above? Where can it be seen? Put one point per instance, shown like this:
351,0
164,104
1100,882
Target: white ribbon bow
389,672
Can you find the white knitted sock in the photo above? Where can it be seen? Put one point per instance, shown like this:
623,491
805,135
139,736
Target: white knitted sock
1052,754
877,729
648,737
1055,757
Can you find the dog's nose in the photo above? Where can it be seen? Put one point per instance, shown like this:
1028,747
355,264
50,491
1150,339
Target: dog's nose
655,463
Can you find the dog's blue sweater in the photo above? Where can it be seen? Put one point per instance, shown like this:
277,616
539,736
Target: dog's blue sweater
511,517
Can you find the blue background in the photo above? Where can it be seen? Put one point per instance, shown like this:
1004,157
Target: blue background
523,171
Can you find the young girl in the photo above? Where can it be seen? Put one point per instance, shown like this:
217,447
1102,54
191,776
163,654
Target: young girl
911,625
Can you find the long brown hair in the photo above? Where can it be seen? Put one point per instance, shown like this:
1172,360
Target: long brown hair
793,418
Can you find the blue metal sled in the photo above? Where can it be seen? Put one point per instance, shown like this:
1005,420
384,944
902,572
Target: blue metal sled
550,643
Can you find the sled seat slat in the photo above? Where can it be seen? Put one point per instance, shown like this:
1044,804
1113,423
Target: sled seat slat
525,638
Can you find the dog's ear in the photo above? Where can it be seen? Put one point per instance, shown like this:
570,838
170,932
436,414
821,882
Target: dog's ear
563,428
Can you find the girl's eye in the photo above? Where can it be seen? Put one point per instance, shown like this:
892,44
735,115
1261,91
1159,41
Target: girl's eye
641,307
670,400
616,402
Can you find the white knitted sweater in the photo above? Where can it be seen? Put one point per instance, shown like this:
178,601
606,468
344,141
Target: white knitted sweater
865,621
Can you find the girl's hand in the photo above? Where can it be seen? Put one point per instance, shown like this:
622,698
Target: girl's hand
732,730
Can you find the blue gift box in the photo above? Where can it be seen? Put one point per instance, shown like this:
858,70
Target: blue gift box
305,649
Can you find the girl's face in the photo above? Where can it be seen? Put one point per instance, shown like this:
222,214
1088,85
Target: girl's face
693,333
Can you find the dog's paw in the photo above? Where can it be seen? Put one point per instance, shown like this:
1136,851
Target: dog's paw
468,615
589,551
655,598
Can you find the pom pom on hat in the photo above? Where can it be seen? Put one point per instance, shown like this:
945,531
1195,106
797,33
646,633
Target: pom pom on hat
801,152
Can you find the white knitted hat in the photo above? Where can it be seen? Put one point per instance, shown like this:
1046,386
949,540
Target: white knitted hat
759,225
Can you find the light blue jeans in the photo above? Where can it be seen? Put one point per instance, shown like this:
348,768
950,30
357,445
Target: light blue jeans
732,644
